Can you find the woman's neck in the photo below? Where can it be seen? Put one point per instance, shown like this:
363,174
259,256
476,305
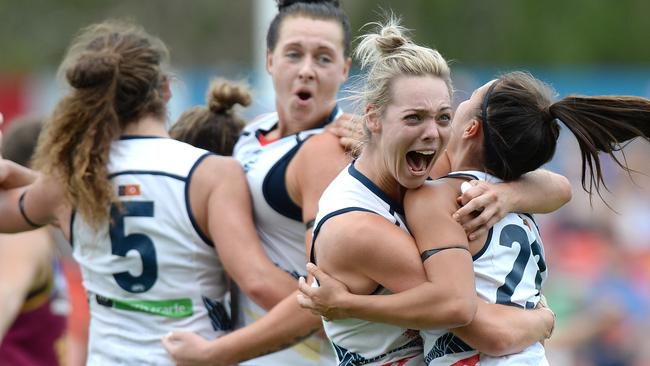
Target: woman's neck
465,159
374,168
147,126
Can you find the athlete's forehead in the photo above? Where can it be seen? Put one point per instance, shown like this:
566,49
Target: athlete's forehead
313,33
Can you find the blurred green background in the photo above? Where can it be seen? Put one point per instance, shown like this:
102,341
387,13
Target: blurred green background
33,33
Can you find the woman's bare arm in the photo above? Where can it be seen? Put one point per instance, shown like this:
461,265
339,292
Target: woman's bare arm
500,330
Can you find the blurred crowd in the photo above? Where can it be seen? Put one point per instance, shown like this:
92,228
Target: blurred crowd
599,260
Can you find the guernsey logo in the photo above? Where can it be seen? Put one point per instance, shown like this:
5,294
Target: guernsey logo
128,190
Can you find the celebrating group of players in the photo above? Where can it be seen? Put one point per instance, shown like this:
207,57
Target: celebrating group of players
190,256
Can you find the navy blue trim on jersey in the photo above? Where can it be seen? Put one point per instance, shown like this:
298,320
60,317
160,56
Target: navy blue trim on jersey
139,137
274,187
218,314
489,237
485,245
146,172
325,122
71,239
312,256
188,205
262,132
331,117
394,206
461,175
446,344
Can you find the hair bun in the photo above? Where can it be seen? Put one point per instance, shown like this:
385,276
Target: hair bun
282,4
390,39
223,95
92,70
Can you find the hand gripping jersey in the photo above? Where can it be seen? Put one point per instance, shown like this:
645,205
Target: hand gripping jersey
356,341
510,270
151,270
279,225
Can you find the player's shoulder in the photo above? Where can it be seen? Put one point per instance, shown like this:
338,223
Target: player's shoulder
322,153
322,146
363,227
440,193
224,167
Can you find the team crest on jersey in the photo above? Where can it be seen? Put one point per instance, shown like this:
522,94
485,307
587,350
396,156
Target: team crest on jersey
128,190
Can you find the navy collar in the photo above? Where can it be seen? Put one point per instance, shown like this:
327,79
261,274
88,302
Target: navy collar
331,117
397,207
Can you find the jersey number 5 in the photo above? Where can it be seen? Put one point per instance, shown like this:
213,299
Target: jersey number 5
121,244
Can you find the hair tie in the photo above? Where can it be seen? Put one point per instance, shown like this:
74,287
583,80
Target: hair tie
547,115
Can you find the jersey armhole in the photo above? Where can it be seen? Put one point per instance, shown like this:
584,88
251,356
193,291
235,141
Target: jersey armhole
188,204
312,256
485,245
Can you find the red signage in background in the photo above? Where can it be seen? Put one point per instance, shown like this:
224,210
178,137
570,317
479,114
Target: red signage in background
13,97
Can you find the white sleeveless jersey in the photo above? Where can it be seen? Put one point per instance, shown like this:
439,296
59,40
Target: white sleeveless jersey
151,271
279,225
356,341
510,270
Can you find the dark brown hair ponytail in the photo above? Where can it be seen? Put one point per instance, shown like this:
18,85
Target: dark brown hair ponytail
602,124
521,127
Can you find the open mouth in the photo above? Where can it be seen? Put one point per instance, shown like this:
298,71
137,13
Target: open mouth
419,161
304,95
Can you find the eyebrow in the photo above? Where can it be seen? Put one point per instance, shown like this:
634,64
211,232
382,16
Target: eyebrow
426,110
320,47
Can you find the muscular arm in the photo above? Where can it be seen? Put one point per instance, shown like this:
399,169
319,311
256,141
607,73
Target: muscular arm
539,191
42,203
499,330
313,168
285,325
447,299
490,331
231,227
13,175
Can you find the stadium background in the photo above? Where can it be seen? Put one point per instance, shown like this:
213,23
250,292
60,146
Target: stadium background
599,260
